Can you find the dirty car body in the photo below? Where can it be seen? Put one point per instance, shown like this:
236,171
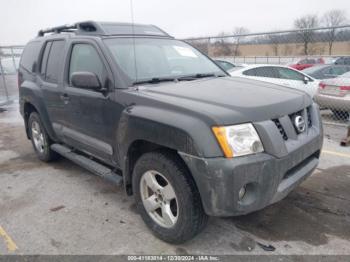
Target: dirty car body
130,111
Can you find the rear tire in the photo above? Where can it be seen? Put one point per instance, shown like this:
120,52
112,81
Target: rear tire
40,139
165,170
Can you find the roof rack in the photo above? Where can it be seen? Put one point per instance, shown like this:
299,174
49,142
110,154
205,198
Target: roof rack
106,28
57,30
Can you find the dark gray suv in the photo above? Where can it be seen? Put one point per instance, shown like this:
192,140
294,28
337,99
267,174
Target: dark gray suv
135,106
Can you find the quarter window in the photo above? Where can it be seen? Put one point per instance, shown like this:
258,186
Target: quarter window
30,55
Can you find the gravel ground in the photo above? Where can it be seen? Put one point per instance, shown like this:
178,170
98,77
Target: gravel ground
59,208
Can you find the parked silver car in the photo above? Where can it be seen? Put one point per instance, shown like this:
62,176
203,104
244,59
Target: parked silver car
335,94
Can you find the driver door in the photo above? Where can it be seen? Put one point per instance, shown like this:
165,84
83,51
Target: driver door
89,112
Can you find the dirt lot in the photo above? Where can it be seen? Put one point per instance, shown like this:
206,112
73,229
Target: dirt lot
59,208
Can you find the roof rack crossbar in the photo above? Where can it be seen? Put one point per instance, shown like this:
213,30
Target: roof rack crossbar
57,29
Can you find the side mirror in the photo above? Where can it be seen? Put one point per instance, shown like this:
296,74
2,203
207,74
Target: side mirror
86,80
306,80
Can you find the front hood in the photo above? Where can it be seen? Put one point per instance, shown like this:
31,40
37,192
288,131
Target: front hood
229,100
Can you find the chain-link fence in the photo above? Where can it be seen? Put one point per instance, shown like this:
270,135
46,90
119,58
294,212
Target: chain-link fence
314,60
9,60
319,59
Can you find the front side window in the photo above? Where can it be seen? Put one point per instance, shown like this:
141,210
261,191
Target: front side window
158,58
84,58
286,73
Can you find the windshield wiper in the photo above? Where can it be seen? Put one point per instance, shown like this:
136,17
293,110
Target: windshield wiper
197,76
155,80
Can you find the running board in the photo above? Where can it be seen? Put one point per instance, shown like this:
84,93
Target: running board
89,164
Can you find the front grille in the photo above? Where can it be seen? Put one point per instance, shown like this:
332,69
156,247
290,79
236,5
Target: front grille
305,113
280,128
299,166
309,119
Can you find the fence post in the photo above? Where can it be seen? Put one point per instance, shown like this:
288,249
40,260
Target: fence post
13,59
4,81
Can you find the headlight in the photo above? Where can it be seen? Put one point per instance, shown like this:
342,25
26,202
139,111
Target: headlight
238,140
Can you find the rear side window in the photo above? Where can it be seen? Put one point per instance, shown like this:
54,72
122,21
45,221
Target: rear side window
54,61
44,59
267,72
30,55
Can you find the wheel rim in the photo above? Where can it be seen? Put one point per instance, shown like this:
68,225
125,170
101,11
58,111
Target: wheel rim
38,137
159,199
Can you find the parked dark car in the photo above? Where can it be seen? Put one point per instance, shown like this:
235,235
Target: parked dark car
326,71
344,60
225,64
135,106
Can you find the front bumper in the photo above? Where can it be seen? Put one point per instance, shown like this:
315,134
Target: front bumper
268,177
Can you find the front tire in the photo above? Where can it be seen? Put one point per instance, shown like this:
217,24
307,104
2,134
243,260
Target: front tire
167,197
40,139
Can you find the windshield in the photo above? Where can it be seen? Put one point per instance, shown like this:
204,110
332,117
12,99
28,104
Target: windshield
313,69
159,59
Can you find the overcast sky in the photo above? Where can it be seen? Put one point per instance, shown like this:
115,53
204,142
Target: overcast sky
21,19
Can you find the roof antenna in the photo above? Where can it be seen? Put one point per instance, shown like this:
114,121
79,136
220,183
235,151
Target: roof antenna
133,36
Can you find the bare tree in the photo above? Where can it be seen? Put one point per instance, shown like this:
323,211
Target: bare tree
238,32
222,45
202,45
333,18
275,43
304,24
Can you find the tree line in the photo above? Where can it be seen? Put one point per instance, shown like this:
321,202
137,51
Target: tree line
225,46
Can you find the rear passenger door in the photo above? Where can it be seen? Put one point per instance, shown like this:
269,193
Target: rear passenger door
89,112
50,81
